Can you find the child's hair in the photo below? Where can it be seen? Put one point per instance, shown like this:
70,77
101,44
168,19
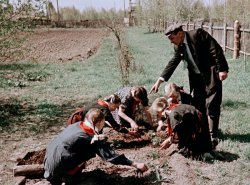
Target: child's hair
172,90
158,105
141,93
113,99
94,116
78,115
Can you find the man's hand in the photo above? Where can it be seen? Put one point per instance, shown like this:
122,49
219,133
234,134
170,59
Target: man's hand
156,86
154,89
222,75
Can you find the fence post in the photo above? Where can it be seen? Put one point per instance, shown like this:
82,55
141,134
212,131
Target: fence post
225,36
211,28
161,26
149,25
164,24
201,26
236,52
187,26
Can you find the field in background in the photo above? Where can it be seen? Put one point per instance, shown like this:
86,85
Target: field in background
36,99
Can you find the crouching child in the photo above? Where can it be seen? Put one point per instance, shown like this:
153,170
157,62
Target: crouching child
178,94
67,153
156,110
186,128
107,106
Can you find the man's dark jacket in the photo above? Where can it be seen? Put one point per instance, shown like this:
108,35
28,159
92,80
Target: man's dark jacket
207,54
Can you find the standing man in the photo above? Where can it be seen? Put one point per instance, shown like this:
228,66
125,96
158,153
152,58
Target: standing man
207,68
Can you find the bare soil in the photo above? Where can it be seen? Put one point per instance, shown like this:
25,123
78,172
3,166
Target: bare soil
61,45
165,166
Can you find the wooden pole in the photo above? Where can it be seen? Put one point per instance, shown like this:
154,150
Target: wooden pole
166,25
236,52
149,25
139,13
225,37
58,14
201,25
28,170
187,26
160,27
211,28
244,48
129,13
124,8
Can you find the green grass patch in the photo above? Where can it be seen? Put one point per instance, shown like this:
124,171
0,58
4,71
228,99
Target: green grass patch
47,110
8,111
19,75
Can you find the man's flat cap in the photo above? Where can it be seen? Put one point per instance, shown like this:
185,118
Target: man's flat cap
173,28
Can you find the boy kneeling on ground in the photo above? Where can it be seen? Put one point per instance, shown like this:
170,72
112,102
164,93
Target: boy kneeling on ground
66,154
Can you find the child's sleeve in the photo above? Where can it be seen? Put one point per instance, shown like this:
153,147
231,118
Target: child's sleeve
106,153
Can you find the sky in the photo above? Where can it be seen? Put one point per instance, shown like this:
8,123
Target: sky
97,4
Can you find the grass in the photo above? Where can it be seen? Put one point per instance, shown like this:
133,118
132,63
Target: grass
44,95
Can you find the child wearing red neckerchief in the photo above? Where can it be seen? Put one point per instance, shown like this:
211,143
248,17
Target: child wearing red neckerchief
67,153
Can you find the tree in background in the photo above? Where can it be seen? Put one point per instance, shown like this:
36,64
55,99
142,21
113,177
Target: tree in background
90,13
51,11
16,22
172,10
70,14
237,10
192,10
197,10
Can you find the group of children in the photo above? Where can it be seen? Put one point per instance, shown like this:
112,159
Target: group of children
82,139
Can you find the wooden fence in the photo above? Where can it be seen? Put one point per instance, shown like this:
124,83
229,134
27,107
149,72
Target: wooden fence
231,37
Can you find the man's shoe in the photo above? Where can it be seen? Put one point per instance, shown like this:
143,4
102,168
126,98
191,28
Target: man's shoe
218,156
207,157
215,142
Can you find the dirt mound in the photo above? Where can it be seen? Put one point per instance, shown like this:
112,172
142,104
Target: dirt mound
35,157
125,141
